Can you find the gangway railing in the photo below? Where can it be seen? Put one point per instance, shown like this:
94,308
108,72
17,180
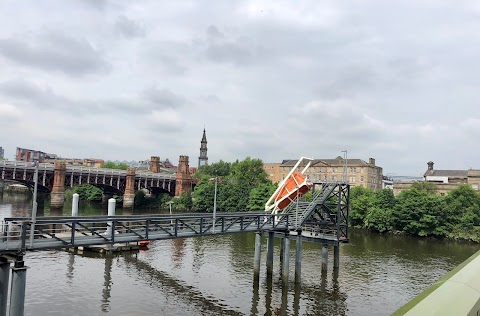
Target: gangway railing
60,232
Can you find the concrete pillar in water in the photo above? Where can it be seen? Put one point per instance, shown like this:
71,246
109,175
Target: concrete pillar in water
75,199
336,256
324,257
4,279
111,212
129,195
258,254
286,257
271,238
282,251
17,290
57,196
298,258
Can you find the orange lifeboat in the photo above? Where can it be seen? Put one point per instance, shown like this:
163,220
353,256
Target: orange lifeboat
295,186
144,243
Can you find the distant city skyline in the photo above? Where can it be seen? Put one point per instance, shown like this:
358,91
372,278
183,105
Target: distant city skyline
272,80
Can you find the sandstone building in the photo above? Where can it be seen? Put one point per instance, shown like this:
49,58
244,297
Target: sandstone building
357,172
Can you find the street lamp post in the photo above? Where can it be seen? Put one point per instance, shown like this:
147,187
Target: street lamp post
345,165
170,206
215,206
34,206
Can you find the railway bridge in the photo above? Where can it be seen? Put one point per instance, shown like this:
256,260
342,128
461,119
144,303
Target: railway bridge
55,178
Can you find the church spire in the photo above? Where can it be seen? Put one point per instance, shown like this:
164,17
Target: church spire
203,158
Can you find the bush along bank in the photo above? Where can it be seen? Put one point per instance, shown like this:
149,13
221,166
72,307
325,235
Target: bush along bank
418,211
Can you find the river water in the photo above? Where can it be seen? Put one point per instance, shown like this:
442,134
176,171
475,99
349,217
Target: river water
214,275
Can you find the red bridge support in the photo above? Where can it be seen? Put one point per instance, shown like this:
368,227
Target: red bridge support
184,178
58,190
129,195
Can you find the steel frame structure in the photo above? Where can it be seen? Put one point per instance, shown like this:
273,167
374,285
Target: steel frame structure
109,180
70,232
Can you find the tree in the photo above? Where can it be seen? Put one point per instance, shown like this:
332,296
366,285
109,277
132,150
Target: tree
233,188
259,196
112,165
427,187
184,202
86,192
361,199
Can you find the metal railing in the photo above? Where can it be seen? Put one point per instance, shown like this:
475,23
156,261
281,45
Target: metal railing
60,232
82,169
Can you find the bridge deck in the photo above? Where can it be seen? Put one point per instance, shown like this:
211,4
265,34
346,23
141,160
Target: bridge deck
58,232
67,232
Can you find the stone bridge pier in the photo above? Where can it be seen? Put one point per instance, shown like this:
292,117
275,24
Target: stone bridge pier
58,190
129,195
183,178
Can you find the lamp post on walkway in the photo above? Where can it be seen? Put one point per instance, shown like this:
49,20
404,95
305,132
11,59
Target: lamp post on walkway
345,165
170,206
215,206
34,206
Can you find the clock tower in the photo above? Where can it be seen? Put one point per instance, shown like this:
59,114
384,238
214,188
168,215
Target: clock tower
203,158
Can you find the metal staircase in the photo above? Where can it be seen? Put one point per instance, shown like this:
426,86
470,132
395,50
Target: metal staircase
296,214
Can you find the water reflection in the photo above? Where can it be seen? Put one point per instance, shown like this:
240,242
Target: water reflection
178,246
107,284
167,284
214,275
70,267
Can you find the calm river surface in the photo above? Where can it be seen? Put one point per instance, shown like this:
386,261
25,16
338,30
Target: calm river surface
214,275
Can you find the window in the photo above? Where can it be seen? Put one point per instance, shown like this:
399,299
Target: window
475,186
361,178
352,179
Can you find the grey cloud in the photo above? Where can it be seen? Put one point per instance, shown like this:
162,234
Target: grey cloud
172,65
34,95
213,32
129,28
163,98
219,48
96,4
55,51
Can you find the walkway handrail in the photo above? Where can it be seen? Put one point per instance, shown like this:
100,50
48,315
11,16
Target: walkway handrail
58,232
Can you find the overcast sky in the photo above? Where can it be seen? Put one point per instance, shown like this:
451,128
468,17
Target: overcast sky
271,79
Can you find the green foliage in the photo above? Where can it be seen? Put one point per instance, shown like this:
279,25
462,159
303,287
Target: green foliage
426,187
418,211
142,200
361,199
184,202
259,196
219,169
112,165
378,219
235,183
86,192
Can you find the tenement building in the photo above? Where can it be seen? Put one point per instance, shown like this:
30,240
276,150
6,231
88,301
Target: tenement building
357,172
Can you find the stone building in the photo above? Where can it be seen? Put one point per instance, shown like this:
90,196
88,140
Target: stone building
357,172
273,171
443,180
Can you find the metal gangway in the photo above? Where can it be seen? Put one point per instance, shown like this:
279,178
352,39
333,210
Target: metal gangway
85,231
323,215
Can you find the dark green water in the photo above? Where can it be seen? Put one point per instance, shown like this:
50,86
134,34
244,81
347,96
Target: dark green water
214,275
